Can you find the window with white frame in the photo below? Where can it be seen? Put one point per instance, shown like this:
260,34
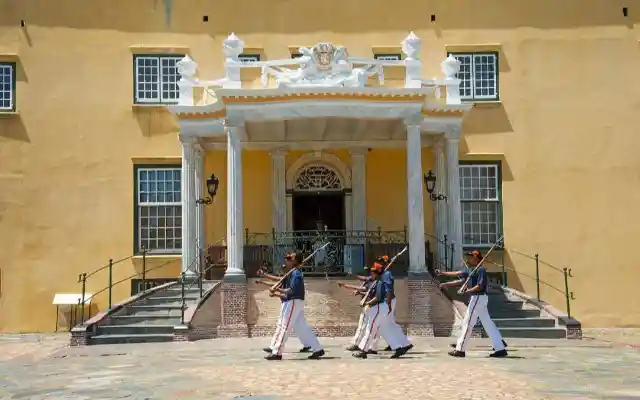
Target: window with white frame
156,79
388,57
249,58
480,202
159,209
7,87
478,75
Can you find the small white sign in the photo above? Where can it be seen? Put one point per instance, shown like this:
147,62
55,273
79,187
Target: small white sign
71,299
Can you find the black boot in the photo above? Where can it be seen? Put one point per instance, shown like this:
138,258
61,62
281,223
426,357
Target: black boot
457,353
360,354
372,352
388,348
316,355
353,347
267,350
499,354
273,357
305,349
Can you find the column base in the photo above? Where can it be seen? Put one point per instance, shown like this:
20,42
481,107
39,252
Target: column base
234,299
430,312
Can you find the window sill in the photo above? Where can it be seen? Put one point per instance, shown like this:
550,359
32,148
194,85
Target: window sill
487,104
147,107
158,257
9,114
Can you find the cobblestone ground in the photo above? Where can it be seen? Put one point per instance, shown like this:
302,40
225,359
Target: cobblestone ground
41,367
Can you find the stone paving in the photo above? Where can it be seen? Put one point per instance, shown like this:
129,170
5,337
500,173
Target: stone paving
41,367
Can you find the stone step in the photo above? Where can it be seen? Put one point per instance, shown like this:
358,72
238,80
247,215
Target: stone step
144,319
505,305
175,300
534,333
134,329
500,314
524,322
139,338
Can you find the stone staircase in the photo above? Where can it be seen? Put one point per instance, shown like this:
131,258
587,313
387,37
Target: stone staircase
517,319
150,319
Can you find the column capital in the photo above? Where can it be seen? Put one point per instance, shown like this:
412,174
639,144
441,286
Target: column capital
414,120
453,132
358,151
191,140
233,123
438,143
279,152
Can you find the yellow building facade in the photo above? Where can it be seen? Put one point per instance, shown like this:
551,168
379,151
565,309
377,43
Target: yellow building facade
91,114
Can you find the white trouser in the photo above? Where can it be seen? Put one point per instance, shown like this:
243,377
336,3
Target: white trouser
377,321
279,326
477,309
396,330
362,322
292,317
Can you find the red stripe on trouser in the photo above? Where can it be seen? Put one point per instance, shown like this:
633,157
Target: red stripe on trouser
370,329
464,332
285,328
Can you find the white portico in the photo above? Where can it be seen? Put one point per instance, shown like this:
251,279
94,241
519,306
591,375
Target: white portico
321,100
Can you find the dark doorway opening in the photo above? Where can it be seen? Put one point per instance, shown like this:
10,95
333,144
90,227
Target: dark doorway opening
311,210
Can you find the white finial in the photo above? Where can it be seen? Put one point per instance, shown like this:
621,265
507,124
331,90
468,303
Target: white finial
450,67
411,46
187,68
233,46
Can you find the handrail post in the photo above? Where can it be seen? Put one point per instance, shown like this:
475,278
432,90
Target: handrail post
566,291
144,269
453,251
83,279
201,272
110,280
182,279
504,274
537,276
446,252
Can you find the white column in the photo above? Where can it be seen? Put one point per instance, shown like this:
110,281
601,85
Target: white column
417,262
359,189
200,180
441,206
235,246
453,184
189,240
279,190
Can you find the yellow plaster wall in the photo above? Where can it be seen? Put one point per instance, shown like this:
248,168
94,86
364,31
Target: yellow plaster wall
566,126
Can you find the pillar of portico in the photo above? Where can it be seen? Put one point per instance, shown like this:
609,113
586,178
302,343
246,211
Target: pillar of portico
415,219
452,139
359,189
199,194
234,291
420,287
189,214
441,206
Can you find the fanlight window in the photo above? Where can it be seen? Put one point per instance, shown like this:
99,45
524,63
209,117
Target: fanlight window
317,177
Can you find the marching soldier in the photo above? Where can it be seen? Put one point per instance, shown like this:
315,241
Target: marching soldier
291,293
377,316
367,282
477,308
395,329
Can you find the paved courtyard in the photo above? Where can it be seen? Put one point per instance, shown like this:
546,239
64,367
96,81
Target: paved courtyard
41,367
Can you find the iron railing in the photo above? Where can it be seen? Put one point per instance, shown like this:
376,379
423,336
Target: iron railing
347,253
497,258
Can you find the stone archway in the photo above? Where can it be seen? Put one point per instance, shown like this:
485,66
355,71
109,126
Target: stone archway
319,172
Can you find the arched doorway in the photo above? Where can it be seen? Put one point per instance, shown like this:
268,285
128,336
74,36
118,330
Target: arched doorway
318,199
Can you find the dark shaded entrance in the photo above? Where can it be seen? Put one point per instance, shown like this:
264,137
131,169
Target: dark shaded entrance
311,210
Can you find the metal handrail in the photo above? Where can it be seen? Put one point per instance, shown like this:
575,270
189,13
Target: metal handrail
566,272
